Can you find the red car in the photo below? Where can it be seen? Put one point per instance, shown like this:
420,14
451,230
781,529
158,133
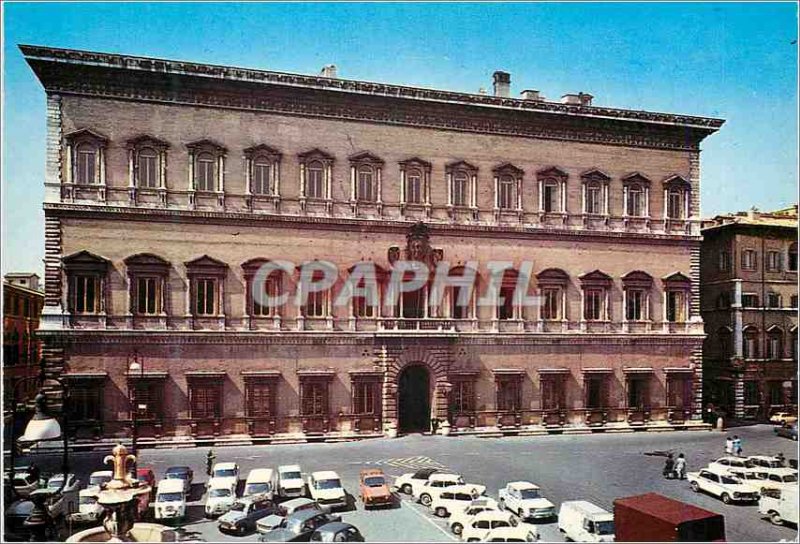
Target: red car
147,477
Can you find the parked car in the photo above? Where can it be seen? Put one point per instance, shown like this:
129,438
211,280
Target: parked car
146,476
453,499
787,431
244,514
728,462
655,518
751,477
182,473
460,518
431,489
326,488
410,482
520,533
373,489
525,500
171,499
67,502
261,481
14,529
780,478
721,484
25,479
780,505
783,418
582,521
221,496
480,525
287,508
89,510
98,478
767,463
299,526
337,531
290,481
225,470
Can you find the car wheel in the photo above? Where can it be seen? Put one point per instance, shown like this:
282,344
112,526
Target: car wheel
726,498
441,512
425,499
457,528
473,540
406,489
776,518
695,487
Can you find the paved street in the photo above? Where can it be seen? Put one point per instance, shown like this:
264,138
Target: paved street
598,468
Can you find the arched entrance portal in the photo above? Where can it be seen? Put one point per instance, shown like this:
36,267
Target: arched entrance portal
414,399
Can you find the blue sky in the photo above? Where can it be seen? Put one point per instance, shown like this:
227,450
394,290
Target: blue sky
730,60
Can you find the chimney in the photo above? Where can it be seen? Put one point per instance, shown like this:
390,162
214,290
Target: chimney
502,84
585,98
530,94
329,70
572,99
482,91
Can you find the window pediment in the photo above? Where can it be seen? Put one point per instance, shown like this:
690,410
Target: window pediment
775,329
552,172
84,261
146,262
87,135
315,154
207,145
676,279
596,175
551,276
145,140
206,265
676,180
262,150
508,168
460,165
365,157
415,162
596,278
635,177
637,278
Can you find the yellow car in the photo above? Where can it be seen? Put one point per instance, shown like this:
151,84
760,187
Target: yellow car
783,418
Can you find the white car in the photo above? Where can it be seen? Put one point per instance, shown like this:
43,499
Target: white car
751,477
768,464
521,533
525,500
780,478
221,496
479,526
410,482
89,510
66,503
729,462
721,484
170,500
290,482
97,478
326,488
460,518
453,499
225,470
439,481
260,481
582,521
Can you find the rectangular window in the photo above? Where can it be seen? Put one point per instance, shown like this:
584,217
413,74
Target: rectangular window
458,311
259,398
85,401
148,295
148,170
506,198
508,394
675,205
314,398
86,165
724,261
550,198
366,395
635,202
792,265
596,391
317,304
676,306
362,308
750,345
507,308
462,397
679,391
638,392
85,294
205,175
271,289
315,182
634,305
593,304
793,300
553,393
146,399
366,187
774,346
749,259
205,296
414,188
773,300
460,190
774,261
551,303
751,393
205,400
593,199
749,300
262,177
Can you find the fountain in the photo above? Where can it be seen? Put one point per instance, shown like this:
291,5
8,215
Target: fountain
119,498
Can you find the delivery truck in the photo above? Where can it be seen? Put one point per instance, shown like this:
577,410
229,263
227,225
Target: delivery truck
655,518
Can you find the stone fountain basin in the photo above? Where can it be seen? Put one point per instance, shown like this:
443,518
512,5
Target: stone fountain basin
141,532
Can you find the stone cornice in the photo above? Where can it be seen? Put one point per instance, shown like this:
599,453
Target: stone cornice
106,212
145,79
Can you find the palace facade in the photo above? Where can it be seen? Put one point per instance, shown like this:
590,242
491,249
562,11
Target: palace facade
169,184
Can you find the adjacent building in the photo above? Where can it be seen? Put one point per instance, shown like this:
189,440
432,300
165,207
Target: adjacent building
749,305
22,306
170,183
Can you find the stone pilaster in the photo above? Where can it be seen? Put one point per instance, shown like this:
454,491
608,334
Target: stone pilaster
696,361
738,396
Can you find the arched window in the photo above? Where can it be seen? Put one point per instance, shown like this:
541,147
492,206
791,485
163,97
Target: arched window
750,345
775,344
414,186
262,175
460,188
315,180
509,305
86,165
148,167
676,197
366,184
204,172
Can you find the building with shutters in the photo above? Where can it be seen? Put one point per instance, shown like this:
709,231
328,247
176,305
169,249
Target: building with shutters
170,184
22,306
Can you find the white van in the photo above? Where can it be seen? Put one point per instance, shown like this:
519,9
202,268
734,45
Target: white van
260,481
780,505
582,521
170,500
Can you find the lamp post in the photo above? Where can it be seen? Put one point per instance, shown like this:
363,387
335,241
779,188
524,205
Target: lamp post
135,366
41,428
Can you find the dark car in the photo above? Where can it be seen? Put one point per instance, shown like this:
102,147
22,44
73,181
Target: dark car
299,527
787,431
181,473
15,516
244,514
337,532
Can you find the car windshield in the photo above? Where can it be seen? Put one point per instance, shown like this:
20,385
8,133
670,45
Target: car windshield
290,476
530,493
790,478
257,488
374,481
220,493
177,476
19,482
728,480
774,463
55,483
169,497
604,527
142,477
224,473
87,500
97,480
238,507
333,483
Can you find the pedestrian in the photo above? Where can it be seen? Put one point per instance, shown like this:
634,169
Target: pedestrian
669,468
737,446
680,467
729,445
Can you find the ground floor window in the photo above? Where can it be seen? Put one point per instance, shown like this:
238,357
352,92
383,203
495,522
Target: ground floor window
462,397
596,391
366,397
85,402
509,394
553,392
314,398
205,400
679,391
775,393
146,397
638,392
259,398
751,393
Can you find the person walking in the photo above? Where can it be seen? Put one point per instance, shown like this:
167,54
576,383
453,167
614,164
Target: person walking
680,467
737,446
669,468
729,445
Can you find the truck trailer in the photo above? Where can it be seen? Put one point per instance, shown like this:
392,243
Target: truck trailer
655,518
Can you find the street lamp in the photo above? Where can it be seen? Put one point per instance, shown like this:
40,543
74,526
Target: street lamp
135,366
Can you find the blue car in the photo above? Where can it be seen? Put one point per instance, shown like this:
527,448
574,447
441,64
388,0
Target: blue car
787,431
